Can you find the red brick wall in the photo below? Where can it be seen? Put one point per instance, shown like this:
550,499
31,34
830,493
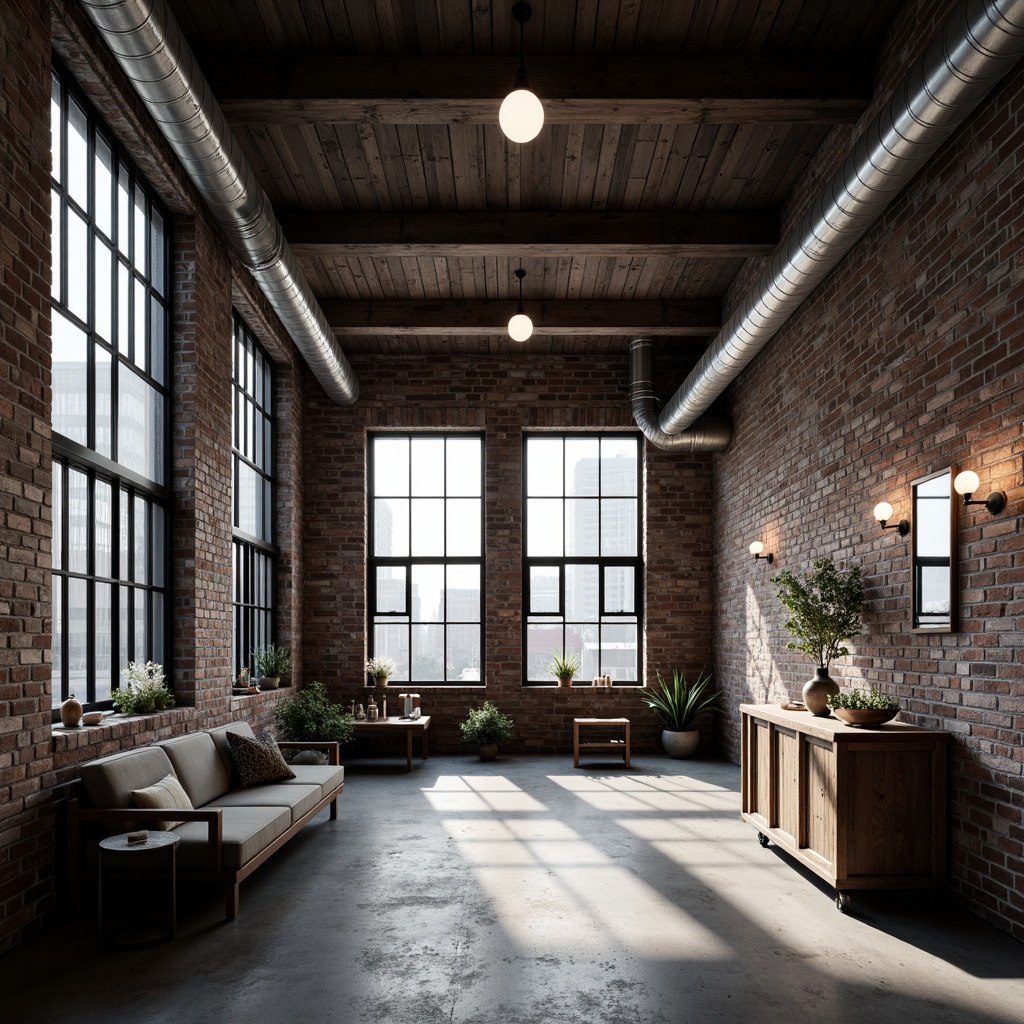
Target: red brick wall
908,359
503,397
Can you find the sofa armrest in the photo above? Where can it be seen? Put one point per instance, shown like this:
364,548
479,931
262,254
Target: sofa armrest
332,747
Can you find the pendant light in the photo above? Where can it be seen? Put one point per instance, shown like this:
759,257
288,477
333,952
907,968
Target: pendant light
521,115
520,327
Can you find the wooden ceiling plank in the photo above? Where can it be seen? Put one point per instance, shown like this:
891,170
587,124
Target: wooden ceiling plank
468,166
423,316
411,153
572,165
658,169
605,167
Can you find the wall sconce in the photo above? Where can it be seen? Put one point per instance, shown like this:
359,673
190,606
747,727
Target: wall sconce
521,115
966,483
520,327
756,548
883,513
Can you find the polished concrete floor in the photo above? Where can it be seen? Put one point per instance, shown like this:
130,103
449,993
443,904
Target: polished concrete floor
526,892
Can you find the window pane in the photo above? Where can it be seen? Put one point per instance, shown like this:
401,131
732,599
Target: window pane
124,544
463,527
392,640
78,638
56,125
618,466
103,637
157,640
103,189
934,597
581,526
139,313
246,499
618,526
618,652
581,466
544,529
543,467
123,318
103,401
462,596
55,245
582,639
391,589
140,426
391,467
78,154
103,304
581,593
58,516
428,593
141,525
124,616
932,527
157,341
158,246
78,266
159,542
427,526
619,589
124,220
544,583
58,642
427,455
140,231
427,653
141,602
78,521
103,528
541,641
463,656
391,528
463,467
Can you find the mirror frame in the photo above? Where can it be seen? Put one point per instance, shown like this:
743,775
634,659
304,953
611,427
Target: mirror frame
954,559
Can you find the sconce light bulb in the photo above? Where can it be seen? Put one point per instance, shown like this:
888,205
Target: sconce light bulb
521,115
883,511
966,482
520,327
756,548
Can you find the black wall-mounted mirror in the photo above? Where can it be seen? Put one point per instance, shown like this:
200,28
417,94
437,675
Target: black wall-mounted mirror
934,571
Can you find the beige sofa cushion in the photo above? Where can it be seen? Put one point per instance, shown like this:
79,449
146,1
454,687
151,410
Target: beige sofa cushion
247,831
298,799
327,777
110,780
198,767
166,794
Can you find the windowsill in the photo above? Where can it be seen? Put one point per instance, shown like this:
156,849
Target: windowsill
115,728
237,701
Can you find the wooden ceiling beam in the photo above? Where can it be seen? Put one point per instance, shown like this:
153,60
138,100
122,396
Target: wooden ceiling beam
574,90
683,318
701,234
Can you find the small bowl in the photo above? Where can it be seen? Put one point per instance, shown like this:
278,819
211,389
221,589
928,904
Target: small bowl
865,716
92,718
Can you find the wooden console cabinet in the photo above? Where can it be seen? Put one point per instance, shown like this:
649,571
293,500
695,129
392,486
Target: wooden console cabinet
862,808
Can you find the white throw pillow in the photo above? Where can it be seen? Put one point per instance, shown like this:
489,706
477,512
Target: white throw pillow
167,794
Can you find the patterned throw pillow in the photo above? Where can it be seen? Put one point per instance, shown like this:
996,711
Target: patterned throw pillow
167,794
257,763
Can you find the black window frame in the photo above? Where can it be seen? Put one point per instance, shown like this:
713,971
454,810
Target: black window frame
254,555
603,562
69,454
408,561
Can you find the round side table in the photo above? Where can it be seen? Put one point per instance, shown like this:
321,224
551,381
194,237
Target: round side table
138,890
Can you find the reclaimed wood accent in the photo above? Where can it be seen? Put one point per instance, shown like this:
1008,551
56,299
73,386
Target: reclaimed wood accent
579,90
711,234
679,318
600,730
862,808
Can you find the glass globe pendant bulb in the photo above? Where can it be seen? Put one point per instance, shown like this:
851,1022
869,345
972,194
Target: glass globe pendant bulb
756,548
520,327
883,512
521,115
966,482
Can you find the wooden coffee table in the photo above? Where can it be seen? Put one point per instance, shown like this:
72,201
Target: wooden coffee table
390,726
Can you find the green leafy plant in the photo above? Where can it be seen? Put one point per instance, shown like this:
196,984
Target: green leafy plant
271,661
143,690
824,609
311,715
486,725
563,667
862,700
681,703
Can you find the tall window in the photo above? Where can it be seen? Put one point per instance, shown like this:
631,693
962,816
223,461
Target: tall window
582,572
110,288
252,450
426,555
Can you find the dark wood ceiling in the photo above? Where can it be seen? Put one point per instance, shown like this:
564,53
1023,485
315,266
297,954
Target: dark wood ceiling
675,131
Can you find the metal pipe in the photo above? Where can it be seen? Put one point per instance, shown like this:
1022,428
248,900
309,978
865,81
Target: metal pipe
979,43
147,42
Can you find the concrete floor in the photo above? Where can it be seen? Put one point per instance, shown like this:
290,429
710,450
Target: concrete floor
524,892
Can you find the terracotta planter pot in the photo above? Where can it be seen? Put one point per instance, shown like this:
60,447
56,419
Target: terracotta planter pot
565,682
270,682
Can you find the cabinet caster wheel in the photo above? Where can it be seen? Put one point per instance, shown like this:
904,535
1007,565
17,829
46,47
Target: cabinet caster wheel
843,902
762,839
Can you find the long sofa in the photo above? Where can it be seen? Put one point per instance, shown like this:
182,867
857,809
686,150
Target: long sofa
231,829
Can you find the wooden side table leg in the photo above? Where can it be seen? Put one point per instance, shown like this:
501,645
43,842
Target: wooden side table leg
626,751
575,744
408,750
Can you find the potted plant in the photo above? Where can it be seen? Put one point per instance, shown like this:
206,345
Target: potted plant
381,669
311,716
824,610
144,690
486,727
563,669
678,706
271,663
860,708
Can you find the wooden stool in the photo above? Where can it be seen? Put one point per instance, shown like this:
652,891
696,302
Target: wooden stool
603,726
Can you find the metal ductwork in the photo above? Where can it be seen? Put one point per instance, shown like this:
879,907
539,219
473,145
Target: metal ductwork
708,434
149,46
976,47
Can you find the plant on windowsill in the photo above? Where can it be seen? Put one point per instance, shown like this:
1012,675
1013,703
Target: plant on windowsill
310,716
143,691
271,663
564,668
485,727
381,669
679,705
824,610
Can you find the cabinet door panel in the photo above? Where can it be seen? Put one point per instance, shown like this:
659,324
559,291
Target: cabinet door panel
820,798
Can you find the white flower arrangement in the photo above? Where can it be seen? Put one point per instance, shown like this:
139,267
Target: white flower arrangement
144,689
382,666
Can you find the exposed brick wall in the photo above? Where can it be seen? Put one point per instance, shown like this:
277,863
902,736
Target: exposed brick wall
908,359
26,822
503,397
